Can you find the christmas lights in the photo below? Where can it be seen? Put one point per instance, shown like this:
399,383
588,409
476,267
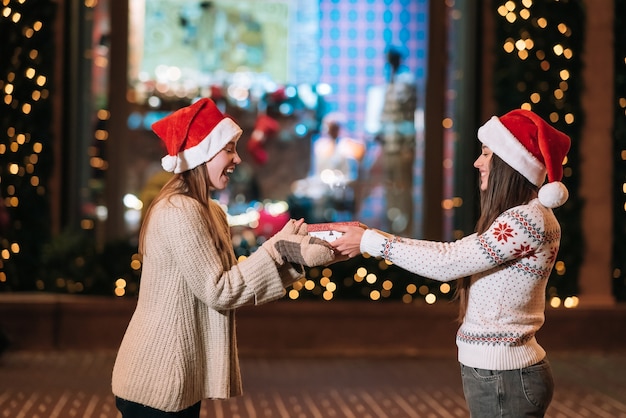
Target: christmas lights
538,67
26,62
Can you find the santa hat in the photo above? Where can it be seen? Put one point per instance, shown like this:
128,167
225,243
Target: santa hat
194,134
532,147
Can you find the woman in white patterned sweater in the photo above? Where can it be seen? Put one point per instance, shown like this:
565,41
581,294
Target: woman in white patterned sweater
502,269
180,346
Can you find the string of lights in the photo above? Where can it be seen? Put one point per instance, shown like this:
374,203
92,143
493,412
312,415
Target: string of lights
27,53
538,67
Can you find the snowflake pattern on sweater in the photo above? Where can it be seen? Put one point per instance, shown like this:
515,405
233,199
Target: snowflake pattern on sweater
509,265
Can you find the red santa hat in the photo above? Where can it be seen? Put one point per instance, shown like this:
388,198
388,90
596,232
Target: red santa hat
194,134
532,147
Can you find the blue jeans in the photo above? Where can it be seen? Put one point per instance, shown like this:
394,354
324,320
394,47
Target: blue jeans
523,392
134,410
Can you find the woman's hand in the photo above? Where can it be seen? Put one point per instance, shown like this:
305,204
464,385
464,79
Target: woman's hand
350,242
293,226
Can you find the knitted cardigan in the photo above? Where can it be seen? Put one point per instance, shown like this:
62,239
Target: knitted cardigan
509,265
180,345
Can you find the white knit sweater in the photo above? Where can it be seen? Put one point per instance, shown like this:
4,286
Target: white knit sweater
180,346
510,264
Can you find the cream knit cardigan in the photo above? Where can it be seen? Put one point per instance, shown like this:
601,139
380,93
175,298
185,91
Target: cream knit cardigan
180,346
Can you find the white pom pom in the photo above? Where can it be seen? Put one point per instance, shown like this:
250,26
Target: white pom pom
553,195
168,163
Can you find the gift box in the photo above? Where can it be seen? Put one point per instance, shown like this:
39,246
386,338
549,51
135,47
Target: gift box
326,231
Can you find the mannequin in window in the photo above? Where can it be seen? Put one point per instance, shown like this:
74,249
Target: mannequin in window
334,169
397,135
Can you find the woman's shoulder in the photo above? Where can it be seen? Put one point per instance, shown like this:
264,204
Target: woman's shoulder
530,207
532,212
178,203
177,199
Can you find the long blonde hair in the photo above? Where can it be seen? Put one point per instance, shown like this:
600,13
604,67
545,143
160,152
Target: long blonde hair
194,183
506,188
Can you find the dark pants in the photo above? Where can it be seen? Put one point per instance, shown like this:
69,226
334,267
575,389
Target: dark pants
523,392
134,410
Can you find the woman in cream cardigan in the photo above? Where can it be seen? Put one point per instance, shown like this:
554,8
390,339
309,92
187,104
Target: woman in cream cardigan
180,346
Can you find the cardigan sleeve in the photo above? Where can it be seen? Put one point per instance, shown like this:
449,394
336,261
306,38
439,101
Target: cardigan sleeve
187,243
515,234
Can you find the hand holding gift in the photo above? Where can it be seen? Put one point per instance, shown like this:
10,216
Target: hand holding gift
293,244
348,240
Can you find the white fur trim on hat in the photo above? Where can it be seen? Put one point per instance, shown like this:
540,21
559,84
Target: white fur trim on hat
224,132
502,143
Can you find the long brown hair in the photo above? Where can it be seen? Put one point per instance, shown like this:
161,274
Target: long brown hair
506,188
195,184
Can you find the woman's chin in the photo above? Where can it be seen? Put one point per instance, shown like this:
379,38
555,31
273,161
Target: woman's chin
222,183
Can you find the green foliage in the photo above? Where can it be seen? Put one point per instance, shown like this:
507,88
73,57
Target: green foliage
71,263
536,78
369,278
27,57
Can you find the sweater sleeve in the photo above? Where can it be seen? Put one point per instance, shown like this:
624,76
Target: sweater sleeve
192,253
516,233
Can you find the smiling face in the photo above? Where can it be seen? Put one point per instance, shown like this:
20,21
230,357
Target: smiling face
483,164
220,167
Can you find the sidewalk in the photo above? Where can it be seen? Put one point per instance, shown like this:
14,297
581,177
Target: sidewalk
76,384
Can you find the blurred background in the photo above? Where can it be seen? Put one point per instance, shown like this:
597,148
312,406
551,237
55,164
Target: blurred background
82,81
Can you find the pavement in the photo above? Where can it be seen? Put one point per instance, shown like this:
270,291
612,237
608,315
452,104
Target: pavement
76,384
